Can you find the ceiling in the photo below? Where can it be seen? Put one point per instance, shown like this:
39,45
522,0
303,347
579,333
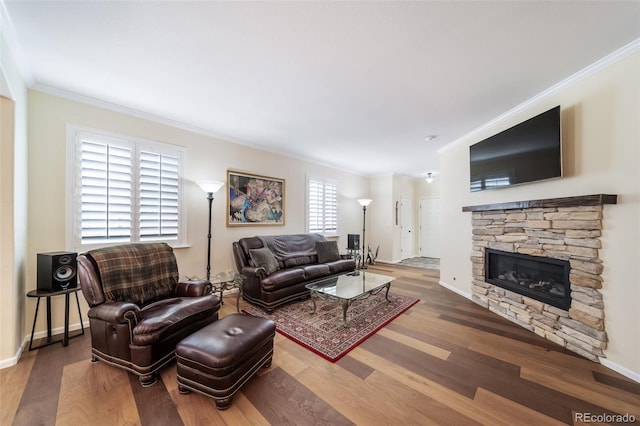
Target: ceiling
355,85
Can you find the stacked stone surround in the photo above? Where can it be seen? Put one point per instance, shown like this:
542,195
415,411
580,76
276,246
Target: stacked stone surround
569,233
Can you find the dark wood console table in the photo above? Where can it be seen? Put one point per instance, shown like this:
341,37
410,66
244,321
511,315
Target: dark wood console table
48,295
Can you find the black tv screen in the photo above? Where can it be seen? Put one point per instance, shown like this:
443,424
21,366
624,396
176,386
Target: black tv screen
527,152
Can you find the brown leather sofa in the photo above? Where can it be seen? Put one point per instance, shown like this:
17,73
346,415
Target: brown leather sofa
139,311
298,263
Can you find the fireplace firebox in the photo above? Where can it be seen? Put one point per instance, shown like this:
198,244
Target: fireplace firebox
540,278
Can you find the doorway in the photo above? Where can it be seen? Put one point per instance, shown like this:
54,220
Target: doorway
406,228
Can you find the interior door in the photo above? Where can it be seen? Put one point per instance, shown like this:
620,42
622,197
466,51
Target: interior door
406,228
430,227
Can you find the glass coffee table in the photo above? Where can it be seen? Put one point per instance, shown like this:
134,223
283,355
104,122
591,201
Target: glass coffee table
349,287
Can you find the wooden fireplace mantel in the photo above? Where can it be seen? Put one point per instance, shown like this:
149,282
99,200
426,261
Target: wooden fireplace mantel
582,200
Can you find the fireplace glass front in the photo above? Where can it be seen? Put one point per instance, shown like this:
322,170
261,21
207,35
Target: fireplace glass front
540,278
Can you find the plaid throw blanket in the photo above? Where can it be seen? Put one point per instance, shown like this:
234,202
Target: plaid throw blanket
287,246
138,273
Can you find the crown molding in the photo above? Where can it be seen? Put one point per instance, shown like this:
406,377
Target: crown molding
601,64
99,103
110,106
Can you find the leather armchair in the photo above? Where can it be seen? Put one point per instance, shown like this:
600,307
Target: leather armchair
141,337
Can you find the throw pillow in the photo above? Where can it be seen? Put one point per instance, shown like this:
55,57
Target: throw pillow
327,251
263,257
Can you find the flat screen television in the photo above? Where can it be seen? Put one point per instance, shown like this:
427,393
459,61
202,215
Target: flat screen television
527,152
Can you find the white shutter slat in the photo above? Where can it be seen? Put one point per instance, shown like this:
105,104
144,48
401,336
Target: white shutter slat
159,196
105,203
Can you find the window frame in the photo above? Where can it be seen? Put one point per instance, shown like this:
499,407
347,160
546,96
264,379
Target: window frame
325,181
75,135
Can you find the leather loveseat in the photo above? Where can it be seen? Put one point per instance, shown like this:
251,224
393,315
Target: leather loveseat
139,311
277,268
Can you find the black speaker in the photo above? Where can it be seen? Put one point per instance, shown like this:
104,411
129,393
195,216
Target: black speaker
353,241
57,271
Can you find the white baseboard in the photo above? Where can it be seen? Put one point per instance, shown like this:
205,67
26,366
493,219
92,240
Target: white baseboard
24,346
390,262
455,290
10,362
620,369
54,332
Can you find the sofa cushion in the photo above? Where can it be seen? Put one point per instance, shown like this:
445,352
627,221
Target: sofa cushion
313,272
283,278
327,251
263,257
299,261
341,266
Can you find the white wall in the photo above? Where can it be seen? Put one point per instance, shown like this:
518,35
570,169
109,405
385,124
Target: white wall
427,190
380,224
601,136
13,208
206,158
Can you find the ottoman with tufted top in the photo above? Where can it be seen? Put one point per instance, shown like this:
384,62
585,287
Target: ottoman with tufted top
219,358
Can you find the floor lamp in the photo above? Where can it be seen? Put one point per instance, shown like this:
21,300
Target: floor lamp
364,202
210,187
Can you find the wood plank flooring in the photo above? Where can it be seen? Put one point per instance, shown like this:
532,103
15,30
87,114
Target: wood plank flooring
446,361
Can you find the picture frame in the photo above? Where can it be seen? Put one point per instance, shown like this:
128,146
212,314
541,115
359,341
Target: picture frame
254,200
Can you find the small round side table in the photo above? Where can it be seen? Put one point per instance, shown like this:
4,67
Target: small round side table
48,295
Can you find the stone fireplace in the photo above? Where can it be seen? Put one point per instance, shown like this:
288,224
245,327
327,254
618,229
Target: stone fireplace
537,264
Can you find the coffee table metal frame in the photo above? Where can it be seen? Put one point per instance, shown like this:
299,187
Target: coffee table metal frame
349,288
228,281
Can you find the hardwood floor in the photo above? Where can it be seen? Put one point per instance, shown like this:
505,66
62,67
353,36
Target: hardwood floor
446,361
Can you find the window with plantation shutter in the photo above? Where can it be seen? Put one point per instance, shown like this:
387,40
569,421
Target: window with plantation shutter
159,180
322,206
105,194
124,190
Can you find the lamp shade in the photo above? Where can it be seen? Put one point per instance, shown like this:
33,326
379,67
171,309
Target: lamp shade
210,186
429,178
364,202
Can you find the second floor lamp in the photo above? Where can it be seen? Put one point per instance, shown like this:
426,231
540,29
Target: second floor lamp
364,202
210,187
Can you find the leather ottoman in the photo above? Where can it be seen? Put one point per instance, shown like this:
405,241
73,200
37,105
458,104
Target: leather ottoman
219,358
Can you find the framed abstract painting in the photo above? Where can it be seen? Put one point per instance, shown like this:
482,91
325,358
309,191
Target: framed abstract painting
254,199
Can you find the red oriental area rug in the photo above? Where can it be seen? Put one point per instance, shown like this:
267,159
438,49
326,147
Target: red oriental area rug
324,333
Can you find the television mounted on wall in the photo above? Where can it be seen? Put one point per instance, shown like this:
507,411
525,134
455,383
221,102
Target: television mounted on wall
527,152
